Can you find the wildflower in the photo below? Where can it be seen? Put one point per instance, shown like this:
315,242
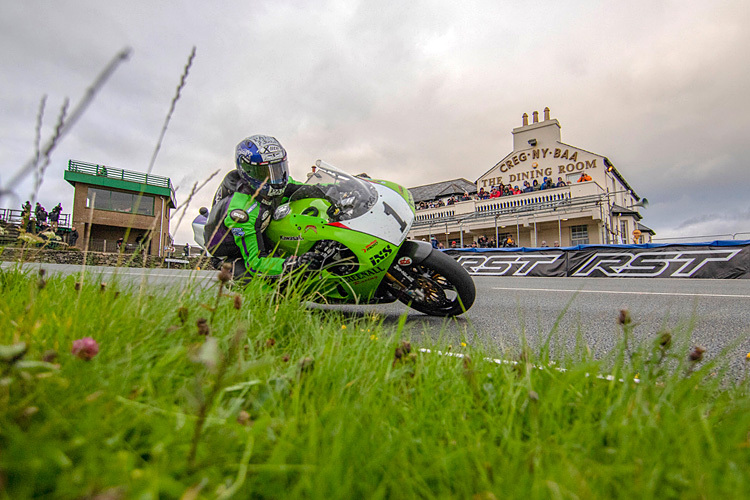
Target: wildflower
624,318
285,358
182,314
747,356
202,325
374,337
665,340
270,342
237,302
243,418
463,344
85,348
343,327
49,355
401,351
696,354
226,272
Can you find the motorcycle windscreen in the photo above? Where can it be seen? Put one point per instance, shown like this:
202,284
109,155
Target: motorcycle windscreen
389,219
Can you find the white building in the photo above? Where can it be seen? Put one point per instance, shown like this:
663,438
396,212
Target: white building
601,210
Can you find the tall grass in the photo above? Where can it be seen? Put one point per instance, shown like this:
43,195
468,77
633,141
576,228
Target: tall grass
299,402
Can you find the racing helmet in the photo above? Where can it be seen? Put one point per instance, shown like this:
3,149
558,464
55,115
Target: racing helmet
261,163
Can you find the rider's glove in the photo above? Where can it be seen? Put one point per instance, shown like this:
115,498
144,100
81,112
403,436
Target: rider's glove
311,261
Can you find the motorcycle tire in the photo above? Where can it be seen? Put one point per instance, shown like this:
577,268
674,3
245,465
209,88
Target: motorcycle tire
440,286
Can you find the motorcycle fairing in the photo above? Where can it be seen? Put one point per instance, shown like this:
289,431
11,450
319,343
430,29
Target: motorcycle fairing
389,219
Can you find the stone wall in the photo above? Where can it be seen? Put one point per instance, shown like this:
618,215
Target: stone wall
75,257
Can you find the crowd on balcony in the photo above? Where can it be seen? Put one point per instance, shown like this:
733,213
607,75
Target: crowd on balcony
501,190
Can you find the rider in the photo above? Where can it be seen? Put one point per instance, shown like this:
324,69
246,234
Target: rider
242,209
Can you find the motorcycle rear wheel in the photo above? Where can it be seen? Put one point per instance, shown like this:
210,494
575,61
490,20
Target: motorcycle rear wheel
437,286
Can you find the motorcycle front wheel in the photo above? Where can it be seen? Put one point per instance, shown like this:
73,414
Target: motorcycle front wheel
437,286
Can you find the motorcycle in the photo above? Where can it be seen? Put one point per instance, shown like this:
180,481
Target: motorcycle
359,227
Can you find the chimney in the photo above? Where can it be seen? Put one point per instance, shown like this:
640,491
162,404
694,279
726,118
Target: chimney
535,116
546,114
525,121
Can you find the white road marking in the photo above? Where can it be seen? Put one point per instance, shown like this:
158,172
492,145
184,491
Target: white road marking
676,294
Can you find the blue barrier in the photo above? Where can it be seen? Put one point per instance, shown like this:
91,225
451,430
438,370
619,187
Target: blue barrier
728,259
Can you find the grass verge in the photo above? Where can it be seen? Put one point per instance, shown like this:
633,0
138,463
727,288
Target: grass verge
218,395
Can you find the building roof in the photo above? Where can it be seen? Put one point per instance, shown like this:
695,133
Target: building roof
126,180
645,229
618,210
442,189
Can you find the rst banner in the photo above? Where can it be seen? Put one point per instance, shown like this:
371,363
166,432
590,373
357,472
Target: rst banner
715,260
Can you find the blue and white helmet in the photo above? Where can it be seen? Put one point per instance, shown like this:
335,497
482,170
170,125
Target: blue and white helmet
261,162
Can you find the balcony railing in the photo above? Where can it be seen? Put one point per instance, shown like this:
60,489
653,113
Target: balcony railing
15,217
117,173
578,195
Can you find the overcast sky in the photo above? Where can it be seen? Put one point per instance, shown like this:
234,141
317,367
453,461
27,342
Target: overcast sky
414,92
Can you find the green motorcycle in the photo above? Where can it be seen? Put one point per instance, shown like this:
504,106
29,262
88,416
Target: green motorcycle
359,228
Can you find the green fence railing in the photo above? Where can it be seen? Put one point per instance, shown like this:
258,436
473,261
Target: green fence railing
117,173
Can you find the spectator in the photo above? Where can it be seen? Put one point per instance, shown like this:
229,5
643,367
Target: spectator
40,213
72,236
198,224
313,173
54,216
535,186
186,250
557,243
544,184
101,170
544,243
434,242
26,215
560,182
547,184
139,242
453,244
584,177
527,187
119,243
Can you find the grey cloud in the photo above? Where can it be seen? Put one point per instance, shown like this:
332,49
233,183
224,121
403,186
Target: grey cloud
415,92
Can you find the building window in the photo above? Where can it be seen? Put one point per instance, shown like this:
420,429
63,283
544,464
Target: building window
579,235
624,231
119,201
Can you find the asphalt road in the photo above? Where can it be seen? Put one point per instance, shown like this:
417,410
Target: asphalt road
712,313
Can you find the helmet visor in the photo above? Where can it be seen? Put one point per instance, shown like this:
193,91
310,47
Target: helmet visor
271,173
